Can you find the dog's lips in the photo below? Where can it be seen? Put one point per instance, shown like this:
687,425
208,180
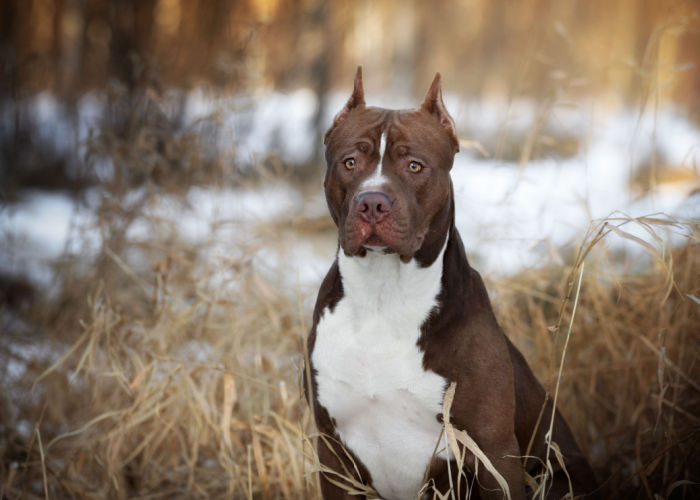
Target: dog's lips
371,234
364,236
374,240
361,237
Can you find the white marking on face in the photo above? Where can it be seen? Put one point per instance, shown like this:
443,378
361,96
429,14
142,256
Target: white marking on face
370,372
382,146
377,179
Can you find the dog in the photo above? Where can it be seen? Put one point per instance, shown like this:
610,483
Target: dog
401,316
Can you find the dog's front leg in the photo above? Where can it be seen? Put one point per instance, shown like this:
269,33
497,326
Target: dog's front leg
488,418
505,457
335,469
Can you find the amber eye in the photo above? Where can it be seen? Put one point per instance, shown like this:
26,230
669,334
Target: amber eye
414,167
350,163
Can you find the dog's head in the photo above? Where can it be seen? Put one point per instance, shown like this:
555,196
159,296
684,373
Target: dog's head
388,181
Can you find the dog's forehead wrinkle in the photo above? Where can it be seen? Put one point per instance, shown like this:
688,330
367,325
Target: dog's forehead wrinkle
377,179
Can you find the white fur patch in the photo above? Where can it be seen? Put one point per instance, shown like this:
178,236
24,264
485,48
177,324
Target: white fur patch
377,179
370,371
382,146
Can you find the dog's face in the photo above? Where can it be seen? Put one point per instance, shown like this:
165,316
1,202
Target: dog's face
388,184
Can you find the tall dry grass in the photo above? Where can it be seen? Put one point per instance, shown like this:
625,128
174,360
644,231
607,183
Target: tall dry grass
630,383
179,371
180,384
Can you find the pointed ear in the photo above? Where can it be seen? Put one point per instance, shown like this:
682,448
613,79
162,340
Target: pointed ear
357,100
434,105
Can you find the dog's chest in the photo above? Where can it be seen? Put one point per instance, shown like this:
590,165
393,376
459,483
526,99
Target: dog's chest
370,377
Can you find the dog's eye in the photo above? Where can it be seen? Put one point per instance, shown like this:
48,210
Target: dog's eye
414,167
350,163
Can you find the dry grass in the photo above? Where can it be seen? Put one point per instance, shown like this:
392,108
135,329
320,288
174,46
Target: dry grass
629,386
180,376
182,382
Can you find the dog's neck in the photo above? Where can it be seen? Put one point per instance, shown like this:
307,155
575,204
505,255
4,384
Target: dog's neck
383,284
444,227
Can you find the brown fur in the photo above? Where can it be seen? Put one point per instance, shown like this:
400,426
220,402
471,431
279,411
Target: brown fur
498,400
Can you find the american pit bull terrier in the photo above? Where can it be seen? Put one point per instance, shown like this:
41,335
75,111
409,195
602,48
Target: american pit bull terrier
401,315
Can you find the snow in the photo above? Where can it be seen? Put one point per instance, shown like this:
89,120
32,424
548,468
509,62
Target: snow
509,215
38,230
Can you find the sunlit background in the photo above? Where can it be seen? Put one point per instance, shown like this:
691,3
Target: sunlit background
166,155
568,101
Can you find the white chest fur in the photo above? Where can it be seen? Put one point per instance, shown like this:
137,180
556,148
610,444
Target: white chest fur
370,373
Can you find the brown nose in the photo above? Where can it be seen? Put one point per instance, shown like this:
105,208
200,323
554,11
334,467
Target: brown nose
373,206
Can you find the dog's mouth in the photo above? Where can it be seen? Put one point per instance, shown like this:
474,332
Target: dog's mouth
380,239
372,237
364,236
374,242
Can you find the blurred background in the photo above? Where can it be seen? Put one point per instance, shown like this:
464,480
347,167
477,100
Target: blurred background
163,229
70,68
600,102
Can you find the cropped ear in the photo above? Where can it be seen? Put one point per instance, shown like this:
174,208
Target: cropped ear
434,105
357,100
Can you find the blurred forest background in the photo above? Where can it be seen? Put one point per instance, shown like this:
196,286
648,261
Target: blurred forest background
163,230
133,52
